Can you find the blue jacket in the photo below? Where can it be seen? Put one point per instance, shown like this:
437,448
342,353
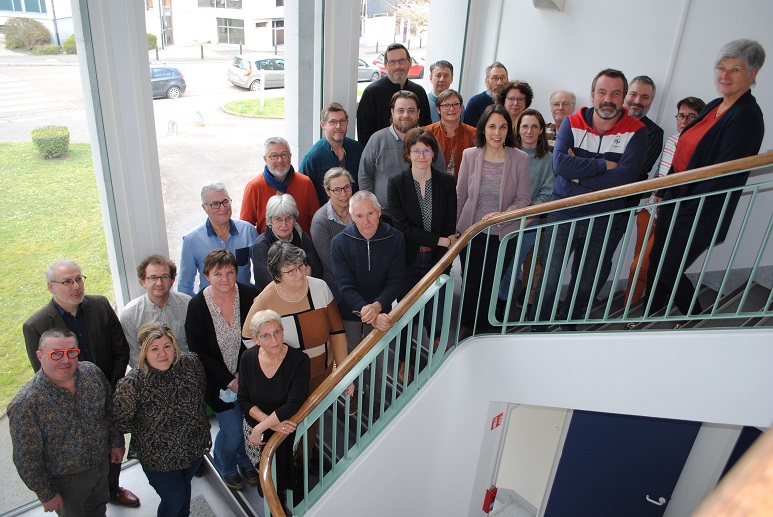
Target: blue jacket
625,143
368,270
321,158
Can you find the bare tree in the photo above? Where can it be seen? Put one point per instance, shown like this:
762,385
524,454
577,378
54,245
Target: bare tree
416,12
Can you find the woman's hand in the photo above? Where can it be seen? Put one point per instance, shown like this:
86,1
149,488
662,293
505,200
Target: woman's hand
489,216
284,427
256,437
349,391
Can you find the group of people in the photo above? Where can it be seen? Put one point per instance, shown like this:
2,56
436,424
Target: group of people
267,305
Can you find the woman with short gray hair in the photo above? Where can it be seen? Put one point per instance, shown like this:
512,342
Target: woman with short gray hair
282,225
729,127
332,217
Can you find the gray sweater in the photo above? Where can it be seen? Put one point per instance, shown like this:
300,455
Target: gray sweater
542,176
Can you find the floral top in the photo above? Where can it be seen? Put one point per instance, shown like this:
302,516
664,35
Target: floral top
229,333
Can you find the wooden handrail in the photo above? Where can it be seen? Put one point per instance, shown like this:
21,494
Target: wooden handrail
640,187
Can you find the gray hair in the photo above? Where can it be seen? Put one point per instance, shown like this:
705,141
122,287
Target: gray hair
56,333
747,50
280,204
335,172
60,262
275,140
282,254
645,79
363,195
442,64
574,97
217,186
262,317
495,64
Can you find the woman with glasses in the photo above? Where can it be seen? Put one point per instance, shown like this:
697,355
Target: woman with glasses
531,138
422,201
515,97
729,127
688,110
273,385
161,403
309,313
282,225
493,178
452,134
213,326
332,217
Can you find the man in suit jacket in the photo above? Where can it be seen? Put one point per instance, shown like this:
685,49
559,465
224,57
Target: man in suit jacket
99,334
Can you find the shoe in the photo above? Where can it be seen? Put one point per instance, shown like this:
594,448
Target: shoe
401,373
125,498
250,475
521,298
199,471
680,325
436,344
631,326
233,481
499,312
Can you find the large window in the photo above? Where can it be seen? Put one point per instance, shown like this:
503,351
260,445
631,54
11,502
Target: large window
230,30
23,6
222,4
279,32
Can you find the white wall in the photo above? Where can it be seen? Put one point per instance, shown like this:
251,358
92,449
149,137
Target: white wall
436,460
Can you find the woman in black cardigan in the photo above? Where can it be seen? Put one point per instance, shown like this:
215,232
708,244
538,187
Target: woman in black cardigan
213,326
728,128
422,203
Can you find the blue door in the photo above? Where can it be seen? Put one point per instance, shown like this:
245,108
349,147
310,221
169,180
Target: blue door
619,465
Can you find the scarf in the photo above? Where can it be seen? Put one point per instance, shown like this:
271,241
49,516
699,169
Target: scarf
278,185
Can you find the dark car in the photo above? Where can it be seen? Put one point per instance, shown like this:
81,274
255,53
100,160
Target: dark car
166,81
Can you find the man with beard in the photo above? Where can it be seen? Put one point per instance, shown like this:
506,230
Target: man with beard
496,79
383,155
372,112
334,149
641,93
278,176
597,148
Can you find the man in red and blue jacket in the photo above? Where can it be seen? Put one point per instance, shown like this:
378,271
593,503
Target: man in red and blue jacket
599,148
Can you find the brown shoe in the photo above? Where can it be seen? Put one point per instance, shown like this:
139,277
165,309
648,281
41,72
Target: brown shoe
125,497
401,373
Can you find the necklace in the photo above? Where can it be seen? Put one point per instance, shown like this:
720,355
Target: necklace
301,297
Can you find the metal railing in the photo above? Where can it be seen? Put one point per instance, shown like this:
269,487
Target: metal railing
345,429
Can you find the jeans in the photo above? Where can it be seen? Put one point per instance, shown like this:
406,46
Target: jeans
174,488
585,234
527,243
229,443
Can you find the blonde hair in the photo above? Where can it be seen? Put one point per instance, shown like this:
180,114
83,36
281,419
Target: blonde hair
149,333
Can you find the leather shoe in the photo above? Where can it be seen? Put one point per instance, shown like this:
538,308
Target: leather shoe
233,481
125,498
250,475
401,373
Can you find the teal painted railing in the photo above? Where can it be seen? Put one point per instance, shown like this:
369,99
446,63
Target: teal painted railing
346,426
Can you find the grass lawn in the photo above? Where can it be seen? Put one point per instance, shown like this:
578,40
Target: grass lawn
52,211
272,107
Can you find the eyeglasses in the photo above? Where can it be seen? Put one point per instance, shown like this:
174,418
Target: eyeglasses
55,355
266,336
732,72
276,156
340,122
290,219
215,205
690,117
498,78
340,190
516,99
454,105
401,61
296,269
527,127
153,278
562,104
417,153
68,282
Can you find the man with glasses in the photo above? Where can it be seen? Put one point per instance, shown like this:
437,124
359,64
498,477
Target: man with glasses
373,112
562,104
98,333
496,79
278,176
383,155
334,149
218,231
60,429
159,304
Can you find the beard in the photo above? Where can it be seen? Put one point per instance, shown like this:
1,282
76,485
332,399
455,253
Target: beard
607,114
404,124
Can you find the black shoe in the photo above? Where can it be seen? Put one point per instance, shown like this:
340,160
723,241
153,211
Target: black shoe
499,313
250,475
521,298
233,481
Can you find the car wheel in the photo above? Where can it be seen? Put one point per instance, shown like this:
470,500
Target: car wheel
421,74
173,92
255,85
375,76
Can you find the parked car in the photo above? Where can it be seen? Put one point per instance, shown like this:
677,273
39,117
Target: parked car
416,71
366,72
245,71
166,81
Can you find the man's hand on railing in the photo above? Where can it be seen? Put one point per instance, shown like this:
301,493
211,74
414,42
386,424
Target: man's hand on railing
383,322
370,312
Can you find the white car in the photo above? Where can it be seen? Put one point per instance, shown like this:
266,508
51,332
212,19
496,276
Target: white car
366,72
246,70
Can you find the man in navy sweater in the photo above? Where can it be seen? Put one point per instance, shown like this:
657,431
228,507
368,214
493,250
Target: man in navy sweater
599,148
496,79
